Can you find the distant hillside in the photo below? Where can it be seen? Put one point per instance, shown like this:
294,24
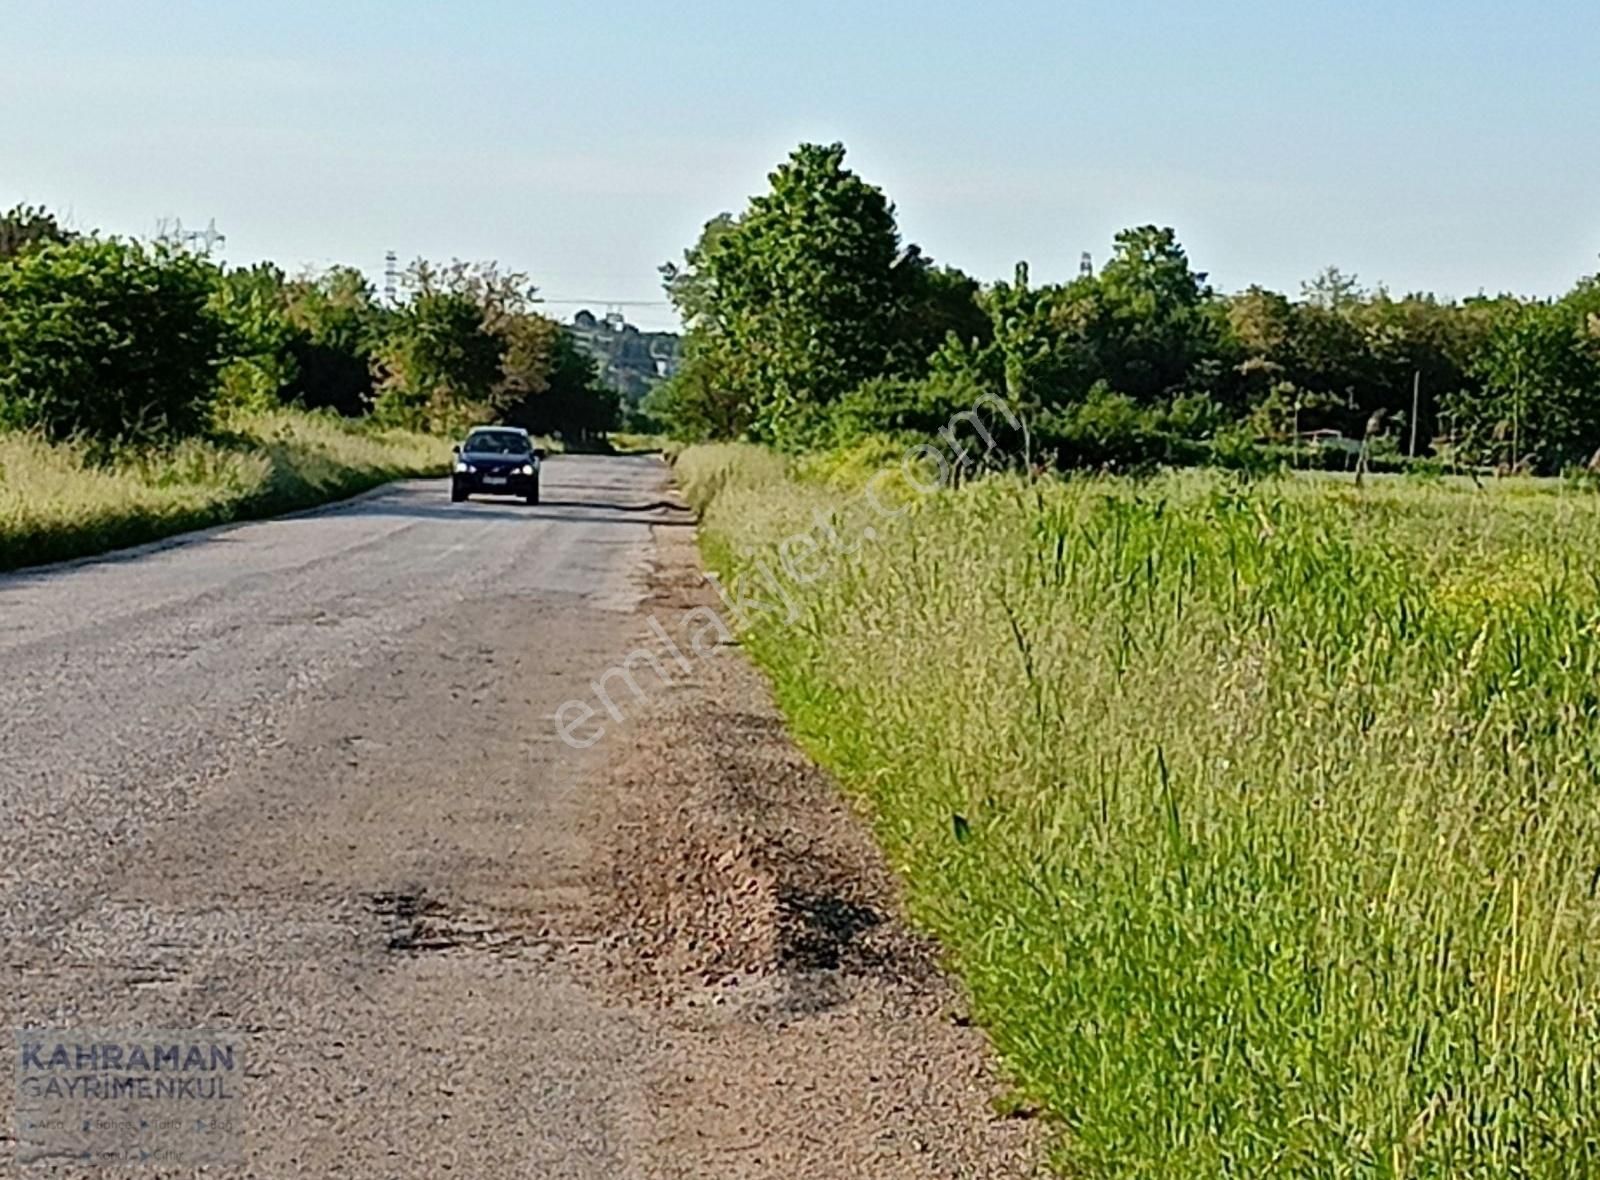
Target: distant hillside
630,361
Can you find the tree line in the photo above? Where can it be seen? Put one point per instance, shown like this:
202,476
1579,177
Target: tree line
118,342
810,322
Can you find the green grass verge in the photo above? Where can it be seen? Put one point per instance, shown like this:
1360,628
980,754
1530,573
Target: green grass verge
1260,819
55,504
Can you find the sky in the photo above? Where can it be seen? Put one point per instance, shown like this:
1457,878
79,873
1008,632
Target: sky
1426,146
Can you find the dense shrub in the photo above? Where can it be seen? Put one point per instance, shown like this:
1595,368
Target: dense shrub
1112,430
898,405
697,404
108,339
26,227
112,342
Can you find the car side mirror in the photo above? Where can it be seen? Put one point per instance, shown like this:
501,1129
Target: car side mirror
540,453
456,449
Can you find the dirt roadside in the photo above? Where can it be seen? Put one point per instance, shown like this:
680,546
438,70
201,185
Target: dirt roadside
804,1030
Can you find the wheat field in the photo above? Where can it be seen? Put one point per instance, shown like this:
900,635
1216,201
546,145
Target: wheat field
1260,819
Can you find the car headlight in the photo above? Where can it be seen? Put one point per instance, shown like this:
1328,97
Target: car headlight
525,469
465,468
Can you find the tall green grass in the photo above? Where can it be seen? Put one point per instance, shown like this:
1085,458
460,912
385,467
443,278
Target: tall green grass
59,501
1263,821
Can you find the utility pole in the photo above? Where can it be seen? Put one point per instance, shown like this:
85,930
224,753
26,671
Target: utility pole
210,237
1296,451
201,241
1416,403
391,277
1516,428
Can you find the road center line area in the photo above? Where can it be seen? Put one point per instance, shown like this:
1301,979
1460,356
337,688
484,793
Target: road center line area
301,779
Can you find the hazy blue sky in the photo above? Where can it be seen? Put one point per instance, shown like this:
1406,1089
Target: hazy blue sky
1428,145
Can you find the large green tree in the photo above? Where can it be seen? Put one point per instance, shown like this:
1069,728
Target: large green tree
339,329
440,364
253,302
700,402
798,300
937,304
689,284
547,384
469,347
1539,404
1155,328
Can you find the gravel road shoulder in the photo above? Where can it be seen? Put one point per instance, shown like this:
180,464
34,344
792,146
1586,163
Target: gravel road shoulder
804,1031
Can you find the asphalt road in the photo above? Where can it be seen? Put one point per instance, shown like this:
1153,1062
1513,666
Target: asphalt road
300,778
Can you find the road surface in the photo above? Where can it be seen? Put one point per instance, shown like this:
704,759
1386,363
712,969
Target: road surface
301,779
251,778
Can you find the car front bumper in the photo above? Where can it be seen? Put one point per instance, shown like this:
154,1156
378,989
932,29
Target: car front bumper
493,484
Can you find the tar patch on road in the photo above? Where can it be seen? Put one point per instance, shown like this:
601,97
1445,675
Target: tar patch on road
822,931
416,924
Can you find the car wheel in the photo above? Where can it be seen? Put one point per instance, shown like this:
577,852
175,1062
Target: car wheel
457,495
533,496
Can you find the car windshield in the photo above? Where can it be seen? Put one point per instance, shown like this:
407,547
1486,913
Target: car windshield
498,442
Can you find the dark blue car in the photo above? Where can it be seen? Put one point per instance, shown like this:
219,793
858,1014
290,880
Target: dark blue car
497,461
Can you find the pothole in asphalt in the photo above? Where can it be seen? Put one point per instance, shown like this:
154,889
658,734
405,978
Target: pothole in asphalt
418,924
823,932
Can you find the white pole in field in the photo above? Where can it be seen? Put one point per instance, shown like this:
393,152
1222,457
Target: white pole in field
1416,402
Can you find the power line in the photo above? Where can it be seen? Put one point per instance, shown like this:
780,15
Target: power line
542,298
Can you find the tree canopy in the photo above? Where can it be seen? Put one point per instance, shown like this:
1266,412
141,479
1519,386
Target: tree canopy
810,319
122,342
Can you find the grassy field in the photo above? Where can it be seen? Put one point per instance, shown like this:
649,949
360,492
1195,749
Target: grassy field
1261,819
56,504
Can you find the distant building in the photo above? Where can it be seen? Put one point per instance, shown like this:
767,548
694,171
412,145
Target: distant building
628,360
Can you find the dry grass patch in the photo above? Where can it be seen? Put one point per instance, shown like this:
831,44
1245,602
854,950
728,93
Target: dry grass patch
57,501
